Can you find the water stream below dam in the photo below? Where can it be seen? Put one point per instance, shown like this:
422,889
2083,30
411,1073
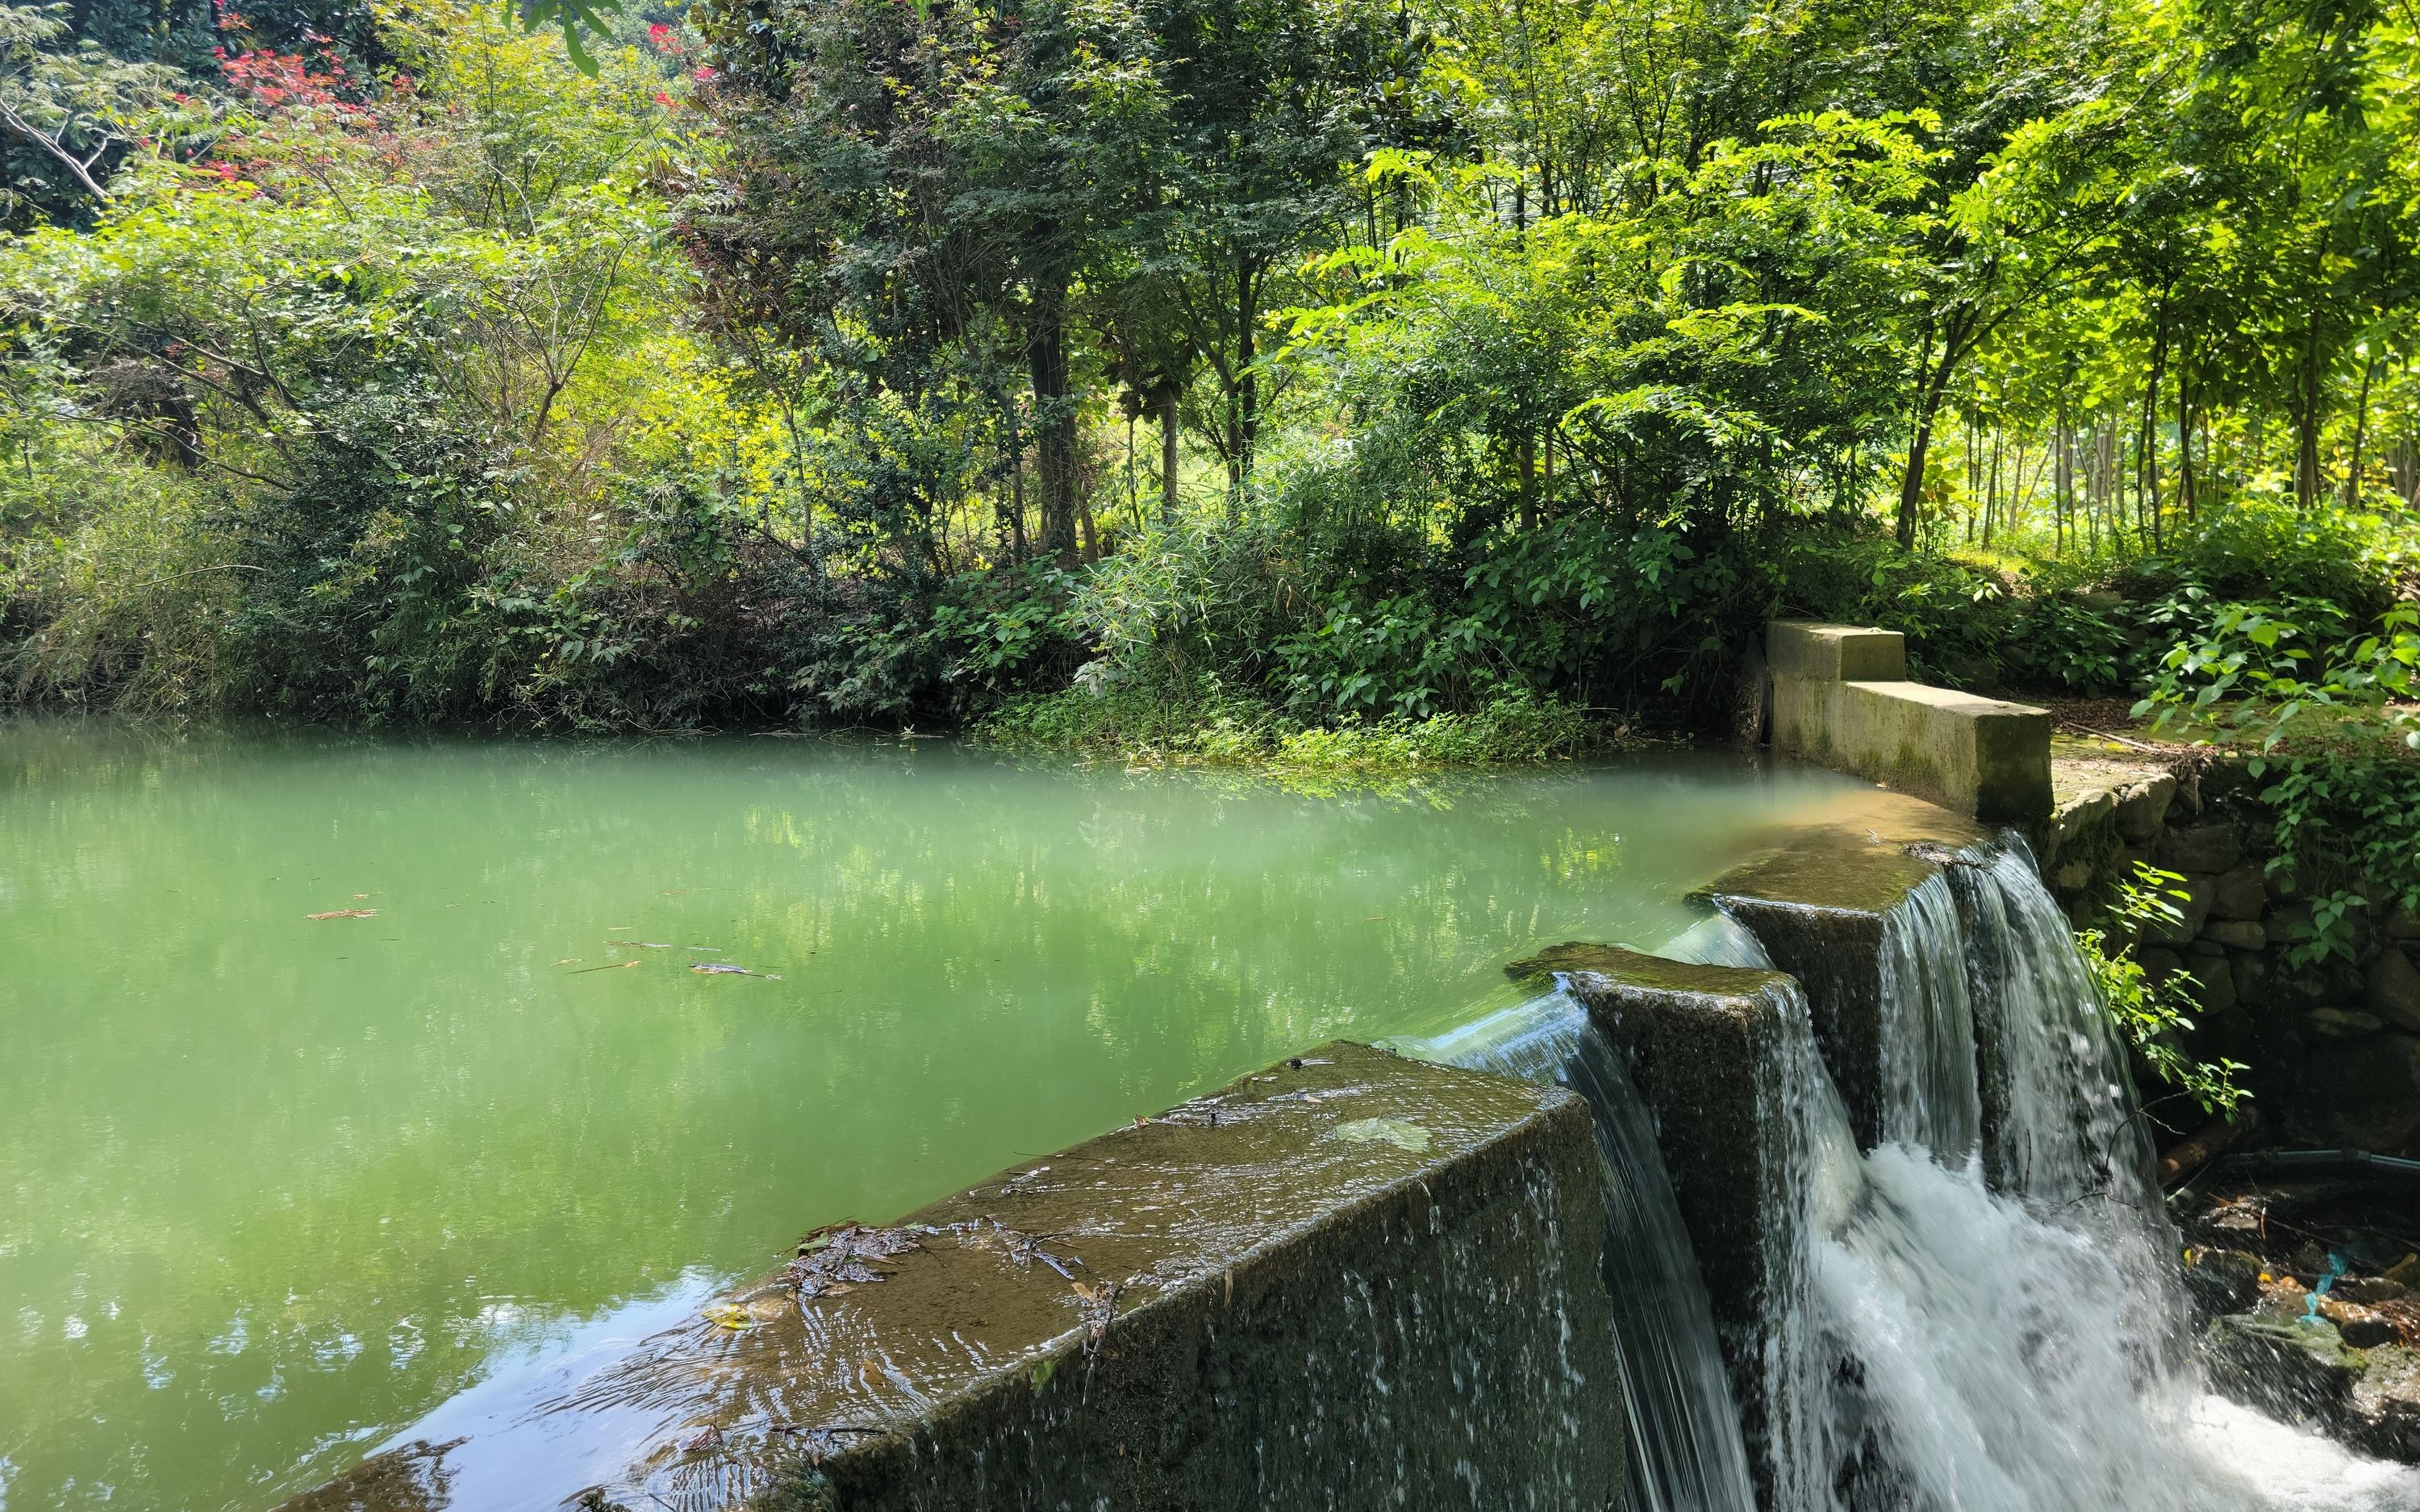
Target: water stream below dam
1979,1315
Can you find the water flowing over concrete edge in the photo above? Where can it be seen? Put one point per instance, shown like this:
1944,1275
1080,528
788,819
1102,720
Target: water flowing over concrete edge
1353,1276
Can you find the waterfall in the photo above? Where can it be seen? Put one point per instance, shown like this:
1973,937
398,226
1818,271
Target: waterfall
1685,1450
1931,1097
1950,1334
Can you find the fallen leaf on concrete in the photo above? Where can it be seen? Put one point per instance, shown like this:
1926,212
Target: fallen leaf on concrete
730,1314
837,1257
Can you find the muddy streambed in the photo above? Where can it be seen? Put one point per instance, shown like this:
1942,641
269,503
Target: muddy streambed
278,1186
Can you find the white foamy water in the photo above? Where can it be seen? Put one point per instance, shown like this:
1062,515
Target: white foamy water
1948,1343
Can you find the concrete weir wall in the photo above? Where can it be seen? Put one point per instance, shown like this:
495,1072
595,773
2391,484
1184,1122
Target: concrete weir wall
1350,1280
1840,696
1699,1040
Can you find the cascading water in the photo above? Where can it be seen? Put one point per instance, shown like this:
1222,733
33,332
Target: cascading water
1979,1315
1930,1093
1686,1454
1938,1345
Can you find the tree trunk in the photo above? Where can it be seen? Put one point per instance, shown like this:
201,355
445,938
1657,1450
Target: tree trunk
1168,452
1933,384
2188,488
1526,457
2360,434
1054,419
2306,419
1247,382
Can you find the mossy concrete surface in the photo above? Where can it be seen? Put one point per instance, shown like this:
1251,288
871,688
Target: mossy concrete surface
1834,652
1818,910
1697,1039
1840,697
1350,1280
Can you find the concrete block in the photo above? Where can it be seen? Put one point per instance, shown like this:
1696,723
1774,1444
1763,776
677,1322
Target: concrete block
1700,1041
2236,933
1834,653
1352,1282
1976,755
1818,909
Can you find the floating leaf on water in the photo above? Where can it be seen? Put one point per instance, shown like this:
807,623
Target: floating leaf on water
568,961
1395,1132
709,1437
730,1314
344,913
719,968
616,965
359,897
643,945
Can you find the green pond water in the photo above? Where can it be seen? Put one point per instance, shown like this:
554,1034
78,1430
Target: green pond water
275,1188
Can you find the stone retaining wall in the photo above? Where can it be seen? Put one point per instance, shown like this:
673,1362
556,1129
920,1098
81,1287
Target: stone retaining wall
2333,1048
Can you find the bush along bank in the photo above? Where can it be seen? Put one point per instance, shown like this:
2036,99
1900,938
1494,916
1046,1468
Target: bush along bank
2289,928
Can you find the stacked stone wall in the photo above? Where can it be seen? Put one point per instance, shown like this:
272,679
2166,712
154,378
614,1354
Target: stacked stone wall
2333,1046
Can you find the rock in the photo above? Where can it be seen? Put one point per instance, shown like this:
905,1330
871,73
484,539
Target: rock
2289,925
2386,1405
2200,848
2238,933
2193,908
2241,893
2402,924
2072,876
2226,1031
2252,978
2299,1371
2404,1272
2158,962
2394,988
2214,990
2357,1325
2340,1024
2363,1094
2222,1280
2143,808
2370,1290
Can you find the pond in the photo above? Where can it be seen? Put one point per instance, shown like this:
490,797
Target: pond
277,1186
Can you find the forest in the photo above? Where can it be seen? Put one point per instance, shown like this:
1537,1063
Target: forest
1197,374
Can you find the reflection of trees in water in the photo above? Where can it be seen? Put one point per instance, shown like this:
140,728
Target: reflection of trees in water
981,962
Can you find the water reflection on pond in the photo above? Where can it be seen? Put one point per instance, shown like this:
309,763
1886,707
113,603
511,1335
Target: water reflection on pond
276,1186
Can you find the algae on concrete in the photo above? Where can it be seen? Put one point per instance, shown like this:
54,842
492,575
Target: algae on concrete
1819,910
1225,1306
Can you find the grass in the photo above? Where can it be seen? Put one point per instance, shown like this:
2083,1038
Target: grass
1145,727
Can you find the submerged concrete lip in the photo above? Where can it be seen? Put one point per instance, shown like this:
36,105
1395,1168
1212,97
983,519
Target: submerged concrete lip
1036,1270
1613,968
1839,875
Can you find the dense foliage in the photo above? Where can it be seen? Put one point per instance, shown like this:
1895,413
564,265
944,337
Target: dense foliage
1126,371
